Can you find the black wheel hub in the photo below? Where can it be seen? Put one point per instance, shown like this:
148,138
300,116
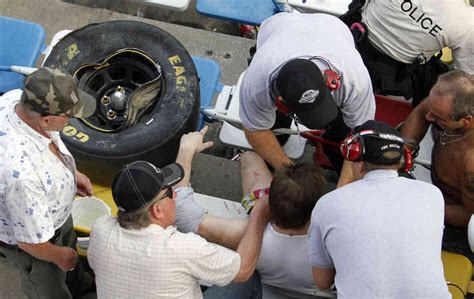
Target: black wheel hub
112,82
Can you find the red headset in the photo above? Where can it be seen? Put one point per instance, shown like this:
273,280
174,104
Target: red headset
331,77
353,147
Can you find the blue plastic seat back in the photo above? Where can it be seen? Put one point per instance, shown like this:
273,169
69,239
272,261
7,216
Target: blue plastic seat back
209,74
251,12
21,42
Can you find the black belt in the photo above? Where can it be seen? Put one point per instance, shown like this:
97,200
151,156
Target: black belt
57,234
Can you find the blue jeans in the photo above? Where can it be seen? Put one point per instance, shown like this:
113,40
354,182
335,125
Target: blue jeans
250,289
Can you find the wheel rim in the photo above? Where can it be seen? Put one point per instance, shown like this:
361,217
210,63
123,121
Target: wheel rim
111,83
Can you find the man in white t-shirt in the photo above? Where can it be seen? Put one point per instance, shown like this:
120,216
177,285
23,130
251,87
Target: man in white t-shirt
140,254
307,67
400,34
379,236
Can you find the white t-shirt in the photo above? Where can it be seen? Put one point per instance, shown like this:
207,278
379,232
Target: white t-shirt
383,235
286,36
404,29
283,262
36,188
155,262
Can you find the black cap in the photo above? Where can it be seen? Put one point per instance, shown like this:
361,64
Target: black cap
139,182
303,88
380,138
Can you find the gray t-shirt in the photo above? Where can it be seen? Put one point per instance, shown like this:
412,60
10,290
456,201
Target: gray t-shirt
383,235
286,36
404,29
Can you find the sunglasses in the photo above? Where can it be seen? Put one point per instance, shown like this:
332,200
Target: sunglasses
168,193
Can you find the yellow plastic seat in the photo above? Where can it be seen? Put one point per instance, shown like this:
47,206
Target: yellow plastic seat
447,53
458,271
105,194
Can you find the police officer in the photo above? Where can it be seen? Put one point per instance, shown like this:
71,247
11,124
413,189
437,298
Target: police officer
398,39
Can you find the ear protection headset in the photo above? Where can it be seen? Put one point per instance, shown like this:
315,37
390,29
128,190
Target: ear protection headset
353,147
331,77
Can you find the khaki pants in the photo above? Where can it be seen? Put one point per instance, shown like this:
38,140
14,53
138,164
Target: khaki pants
40,279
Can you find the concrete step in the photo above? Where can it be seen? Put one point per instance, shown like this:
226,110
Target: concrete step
216,176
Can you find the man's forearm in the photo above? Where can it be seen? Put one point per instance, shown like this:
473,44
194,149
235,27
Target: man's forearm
347,175
266,145
249,248
415,126
185,159
223,231
64,257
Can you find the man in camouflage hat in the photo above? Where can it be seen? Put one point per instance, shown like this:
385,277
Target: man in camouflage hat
38,181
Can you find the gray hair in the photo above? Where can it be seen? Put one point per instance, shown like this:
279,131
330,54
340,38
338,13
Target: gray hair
388,155
459,85
138,219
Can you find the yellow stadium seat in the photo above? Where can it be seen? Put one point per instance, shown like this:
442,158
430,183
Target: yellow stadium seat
458,271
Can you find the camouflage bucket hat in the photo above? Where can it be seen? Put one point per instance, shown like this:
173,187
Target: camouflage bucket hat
54,92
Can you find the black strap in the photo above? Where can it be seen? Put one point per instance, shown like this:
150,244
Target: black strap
353,14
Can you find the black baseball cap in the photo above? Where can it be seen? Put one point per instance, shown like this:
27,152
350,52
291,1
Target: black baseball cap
303,88
380,138
139,182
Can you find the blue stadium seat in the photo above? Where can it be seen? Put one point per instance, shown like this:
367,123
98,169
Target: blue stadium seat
21,42
209,73
251,12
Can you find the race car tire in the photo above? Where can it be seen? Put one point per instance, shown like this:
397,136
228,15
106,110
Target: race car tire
155,138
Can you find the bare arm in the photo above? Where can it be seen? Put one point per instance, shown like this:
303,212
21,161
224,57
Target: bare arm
347,175
251,243
266,145
456,214
84,186
190,144
223,231
64,257
416,125
324,277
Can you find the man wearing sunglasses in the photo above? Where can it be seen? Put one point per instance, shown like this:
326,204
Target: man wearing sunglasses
140,254
306,67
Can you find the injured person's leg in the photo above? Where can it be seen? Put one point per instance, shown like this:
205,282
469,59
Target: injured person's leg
255,175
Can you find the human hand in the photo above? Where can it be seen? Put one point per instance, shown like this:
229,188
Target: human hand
193,141
261,209
84,186
68,259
